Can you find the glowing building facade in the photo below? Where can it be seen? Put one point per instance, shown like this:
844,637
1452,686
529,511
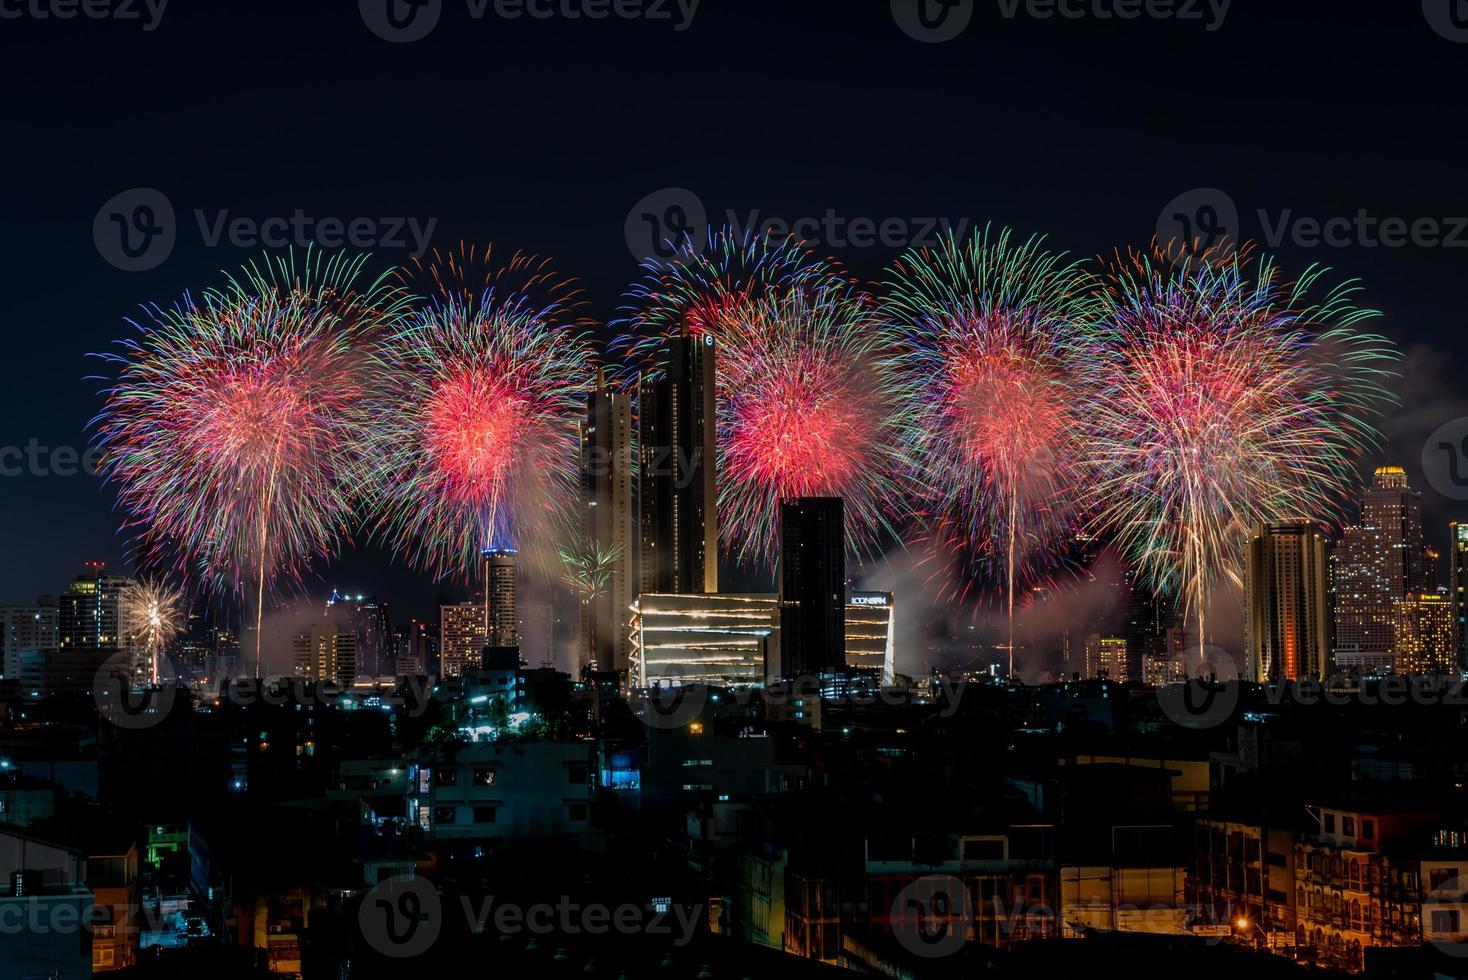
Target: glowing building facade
461,637
681,639
1423,635
1286,611
1377,561
870,637
325,653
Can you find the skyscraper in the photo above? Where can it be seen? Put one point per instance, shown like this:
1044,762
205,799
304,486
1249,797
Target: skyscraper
461,637
812,586
1286,612
501,627
607,467
89,614
325,653
1458,588
367,617
1424,635
1378,561
28,634
679,522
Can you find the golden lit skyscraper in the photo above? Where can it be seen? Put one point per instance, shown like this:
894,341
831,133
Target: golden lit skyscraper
1286,615
325,653
461,637
1377,561
1458,588
1424,634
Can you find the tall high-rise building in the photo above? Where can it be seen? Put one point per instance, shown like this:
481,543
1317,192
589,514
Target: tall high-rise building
1424,634
89,615
367,617
1377,561
678,538
812,586
1286,603
325,653
461,637
871,638
608,467
28,634
501,627
1458,588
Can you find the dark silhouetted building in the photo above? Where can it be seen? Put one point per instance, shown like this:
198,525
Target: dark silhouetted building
679,535
608,472
812,586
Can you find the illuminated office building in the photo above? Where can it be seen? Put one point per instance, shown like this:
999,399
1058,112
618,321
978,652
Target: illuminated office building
1106,656
325,653
461,637
28,634
681,639
1458,589
678,538
1377,561
501,623
870,637
89,616
1286,611
1424,635
367,617
608,472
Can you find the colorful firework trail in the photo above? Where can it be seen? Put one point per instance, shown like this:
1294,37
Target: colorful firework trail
707,288
474,442
803,406
806,409
229,431
1230,399
993,368
153,610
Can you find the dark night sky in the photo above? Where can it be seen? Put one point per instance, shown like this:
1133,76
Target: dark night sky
542,134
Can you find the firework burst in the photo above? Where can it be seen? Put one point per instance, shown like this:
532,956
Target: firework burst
708,288
803,394
1231,399
154,611
993,369
806,409
473,442
228,431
